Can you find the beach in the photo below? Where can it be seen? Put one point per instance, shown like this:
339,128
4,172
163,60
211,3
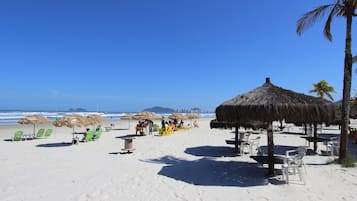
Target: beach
194,164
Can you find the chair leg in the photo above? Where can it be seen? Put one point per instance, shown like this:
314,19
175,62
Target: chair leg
301,175
285,170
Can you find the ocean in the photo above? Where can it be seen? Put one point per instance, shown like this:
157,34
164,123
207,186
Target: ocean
11,117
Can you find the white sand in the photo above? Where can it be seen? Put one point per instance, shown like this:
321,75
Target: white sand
187,165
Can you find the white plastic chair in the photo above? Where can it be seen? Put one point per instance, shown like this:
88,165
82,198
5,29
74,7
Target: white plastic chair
333,146
294,161
244,142
254,144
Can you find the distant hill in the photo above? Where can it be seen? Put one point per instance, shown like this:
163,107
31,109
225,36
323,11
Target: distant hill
77,110
158,109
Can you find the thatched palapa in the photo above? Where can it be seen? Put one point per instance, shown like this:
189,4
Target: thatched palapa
270,103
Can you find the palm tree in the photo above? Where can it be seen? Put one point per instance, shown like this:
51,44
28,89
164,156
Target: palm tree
322,88
346,9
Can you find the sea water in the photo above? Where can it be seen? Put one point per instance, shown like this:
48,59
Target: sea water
12,117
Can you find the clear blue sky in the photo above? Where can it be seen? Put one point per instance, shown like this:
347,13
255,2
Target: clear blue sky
127,55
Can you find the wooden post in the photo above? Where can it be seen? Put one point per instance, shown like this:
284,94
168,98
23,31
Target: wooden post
270,148
315,137
236,141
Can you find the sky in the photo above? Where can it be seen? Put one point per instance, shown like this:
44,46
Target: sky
128,55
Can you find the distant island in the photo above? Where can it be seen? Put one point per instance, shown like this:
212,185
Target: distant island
77,110
158,109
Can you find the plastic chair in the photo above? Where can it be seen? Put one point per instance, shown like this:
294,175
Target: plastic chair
254,144
17,136
294,161
89,136
40,133
244,143
97,135
48,132
333,146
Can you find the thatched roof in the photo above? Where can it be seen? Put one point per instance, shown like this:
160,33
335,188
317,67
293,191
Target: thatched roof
146,115
271,103
229,125
177,116
34,119
72,120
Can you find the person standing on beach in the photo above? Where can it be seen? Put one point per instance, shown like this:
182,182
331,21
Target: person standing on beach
150,123
163,123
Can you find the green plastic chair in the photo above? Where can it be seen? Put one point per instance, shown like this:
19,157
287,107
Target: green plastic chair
40,133
89,136
18,136
97,135
48,132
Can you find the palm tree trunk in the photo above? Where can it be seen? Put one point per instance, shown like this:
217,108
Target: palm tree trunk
346,87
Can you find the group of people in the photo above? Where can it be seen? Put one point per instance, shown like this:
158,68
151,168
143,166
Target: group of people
143,126
173,123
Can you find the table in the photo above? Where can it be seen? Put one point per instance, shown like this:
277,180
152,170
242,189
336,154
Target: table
315,140
128,144
264,159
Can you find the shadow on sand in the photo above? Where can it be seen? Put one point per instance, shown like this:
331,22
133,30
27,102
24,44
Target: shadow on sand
211,151
58,144
129,135
120,129
209,172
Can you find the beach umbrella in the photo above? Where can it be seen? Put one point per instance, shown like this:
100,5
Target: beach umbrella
72,121
96,118
270,103
146,116
34,119
177,116
128,117
191,116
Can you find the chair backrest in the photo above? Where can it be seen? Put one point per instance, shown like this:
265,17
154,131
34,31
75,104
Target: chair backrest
48,132
40,132
18,136
245,137
98,134
296,154
256,141
335,142
301,152
309,130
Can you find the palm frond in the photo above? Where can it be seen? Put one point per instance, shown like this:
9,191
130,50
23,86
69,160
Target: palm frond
310,18
329,96
334,11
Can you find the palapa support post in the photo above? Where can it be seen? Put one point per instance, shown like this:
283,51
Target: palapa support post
315,137
236,140
270,148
